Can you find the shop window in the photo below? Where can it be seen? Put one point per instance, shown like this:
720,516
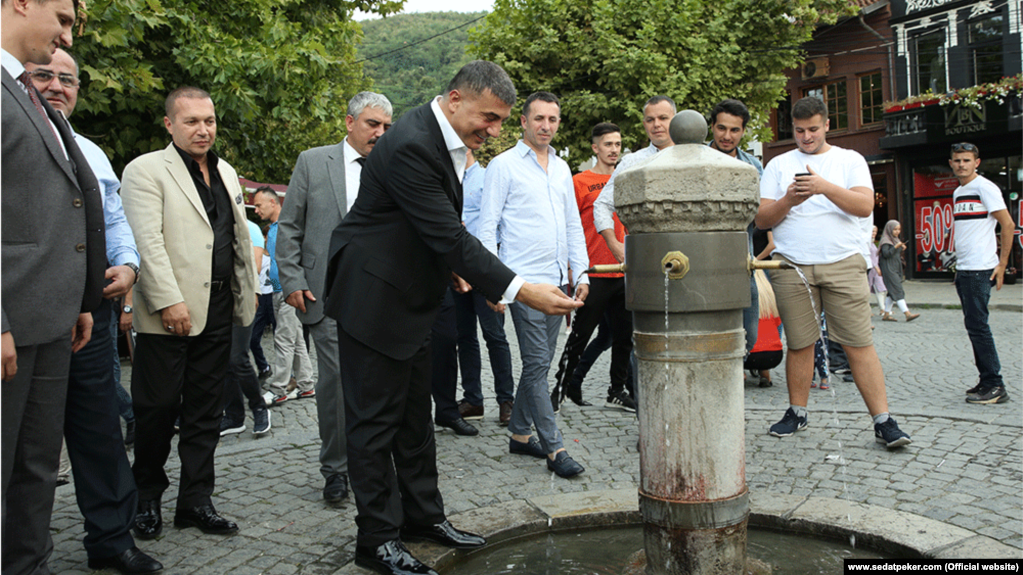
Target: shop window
986,48
834,96
929,51
784,117
870,99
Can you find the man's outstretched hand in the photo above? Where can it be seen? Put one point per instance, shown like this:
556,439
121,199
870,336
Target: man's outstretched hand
547,299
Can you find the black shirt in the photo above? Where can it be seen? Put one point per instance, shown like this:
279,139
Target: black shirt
217,202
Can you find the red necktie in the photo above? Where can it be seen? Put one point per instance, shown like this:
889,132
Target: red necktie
26,81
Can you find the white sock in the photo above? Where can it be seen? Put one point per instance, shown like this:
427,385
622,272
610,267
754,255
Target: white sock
881,418
800,410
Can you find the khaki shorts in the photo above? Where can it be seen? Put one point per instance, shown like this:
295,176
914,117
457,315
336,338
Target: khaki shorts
841,287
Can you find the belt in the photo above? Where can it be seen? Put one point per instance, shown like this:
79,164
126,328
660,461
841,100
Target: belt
217,285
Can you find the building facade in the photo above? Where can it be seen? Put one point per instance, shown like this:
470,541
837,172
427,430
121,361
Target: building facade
957,78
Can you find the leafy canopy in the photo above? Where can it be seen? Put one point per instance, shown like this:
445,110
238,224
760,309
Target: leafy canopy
605,58
280,73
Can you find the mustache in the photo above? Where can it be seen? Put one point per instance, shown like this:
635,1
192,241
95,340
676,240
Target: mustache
372,141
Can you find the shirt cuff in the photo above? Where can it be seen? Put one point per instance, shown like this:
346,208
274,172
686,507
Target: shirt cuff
126,257
513,289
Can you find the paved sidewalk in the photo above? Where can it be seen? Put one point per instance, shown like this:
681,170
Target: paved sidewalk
964,466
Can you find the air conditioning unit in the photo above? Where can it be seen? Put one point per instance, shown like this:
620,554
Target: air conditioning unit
816,68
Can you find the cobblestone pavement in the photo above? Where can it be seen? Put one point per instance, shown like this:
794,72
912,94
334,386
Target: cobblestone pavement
964,466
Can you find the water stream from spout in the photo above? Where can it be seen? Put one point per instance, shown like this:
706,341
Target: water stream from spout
840,457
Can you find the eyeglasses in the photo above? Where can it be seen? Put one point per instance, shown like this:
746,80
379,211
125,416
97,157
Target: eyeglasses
964,147
46,76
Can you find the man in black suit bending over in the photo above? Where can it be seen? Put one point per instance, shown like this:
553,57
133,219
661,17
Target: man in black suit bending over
391,259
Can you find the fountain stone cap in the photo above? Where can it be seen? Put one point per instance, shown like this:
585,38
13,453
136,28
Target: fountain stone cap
689,187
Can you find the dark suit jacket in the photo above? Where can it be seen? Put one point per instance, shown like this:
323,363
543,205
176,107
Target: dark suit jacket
54,250
392,256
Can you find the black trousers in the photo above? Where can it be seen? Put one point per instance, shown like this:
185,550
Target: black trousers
242,380
444,351
606,295
392,457
183,376
104,485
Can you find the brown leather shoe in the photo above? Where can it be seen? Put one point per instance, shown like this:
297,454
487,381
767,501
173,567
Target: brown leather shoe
506,409
470,411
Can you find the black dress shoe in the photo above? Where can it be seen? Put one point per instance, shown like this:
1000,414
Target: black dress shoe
459,426
391,558
443,533
336,488
206,519
531,447
148,522
130,561
564,466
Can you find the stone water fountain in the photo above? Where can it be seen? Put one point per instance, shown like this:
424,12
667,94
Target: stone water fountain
687,282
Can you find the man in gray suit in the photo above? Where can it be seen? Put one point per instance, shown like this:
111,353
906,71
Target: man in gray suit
53,266
322,189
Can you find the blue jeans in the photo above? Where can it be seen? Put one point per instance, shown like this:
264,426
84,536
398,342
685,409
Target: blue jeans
123,399
751,316
974,289
264,317
538,339
469,307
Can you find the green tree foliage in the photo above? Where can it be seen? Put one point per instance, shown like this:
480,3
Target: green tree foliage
280,73
412,57
605,58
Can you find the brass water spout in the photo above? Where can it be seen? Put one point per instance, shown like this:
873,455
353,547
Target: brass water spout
606,269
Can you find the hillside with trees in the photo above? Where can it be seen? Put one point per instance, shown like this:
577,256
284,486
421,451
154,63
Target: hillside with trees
411,57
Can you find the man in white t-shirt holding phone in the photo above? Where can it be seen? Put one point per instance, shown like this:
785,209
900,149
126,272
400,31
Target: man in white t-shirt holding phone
978,206
814,197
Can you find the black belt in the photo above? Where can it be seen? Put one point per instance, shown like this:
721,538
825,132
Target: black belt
217,285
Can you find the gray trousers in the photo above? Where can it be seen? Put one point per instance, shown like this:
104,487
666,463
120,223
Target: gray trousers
538,340
33,426
330,401
289,350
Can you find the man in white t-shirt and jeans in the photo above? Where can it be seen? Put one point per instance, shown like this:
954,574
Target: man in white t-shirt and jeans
814,198
978,207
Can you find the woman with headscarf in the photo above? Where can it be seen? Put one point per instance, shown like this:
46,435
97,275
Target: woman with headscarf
891,271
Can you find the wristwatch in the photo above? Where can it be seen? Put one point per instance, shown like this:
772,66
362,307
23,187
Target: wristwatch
135,269
126,309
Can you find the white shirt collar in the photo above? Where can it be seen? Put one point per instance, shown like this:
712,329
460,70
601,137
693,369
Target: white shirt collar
11,64
456,147
351,154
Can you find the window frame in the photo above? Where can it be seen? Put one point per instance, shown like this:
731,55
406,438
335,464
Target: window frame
833,114
878,104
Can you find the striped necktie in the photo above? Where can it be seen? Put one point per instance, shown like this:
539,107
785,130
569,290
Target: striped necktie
33,95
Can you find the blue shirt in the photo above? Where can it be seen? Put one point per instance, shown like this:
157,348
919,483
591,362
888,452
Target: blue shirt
121,247
271,247
532,214
472,198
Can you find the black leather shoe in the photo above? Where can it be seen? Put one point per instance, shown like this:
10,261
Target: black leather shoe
148,522
336,488
564,466
443,533
459,426
532,447
206,519
129,561
576,395
391,558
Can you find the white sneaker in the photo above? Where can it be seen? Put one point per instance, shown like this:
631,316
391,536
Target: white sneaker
271,399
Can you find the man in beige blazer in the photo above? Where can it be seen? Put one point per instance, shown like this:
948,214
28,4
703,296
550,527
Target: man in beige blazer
187,213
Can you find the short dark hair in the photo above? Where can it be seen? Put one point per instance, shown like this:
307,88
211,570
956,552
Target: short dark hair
808,107
658,100
603,128
479,76
268,192
184,92
964,147
543,97
731,107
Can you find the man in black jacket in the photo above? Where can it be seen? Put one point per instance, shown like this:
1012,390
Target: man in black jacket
391,259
